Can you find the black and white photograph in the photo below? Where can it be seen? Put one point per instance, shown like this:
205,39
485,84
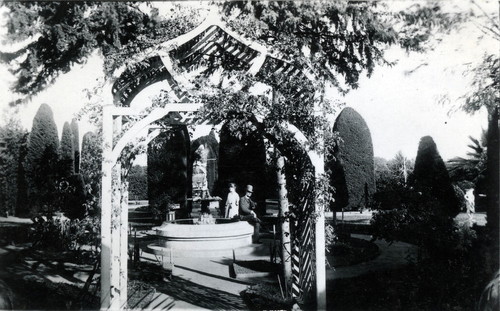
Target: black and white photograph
250,155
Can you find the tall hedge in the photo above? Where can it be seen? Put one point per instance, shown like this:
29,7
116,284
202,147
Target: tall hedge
430,177
41,158
352,167
168,179
67,155
76,144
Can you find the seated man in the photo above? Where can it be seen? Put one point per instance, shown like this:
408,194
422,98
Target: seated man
247,207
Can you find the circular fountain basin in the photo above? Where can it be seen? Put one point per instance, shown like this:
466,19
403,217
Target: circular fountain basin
185,237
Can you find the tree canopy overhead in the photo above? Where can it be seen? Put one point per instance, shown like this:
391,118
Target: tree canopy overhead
330,38
345,38
61,34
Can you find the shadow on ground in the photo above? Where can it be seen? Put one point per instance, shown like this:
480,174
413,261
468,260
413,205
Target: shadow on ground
181,289
201,296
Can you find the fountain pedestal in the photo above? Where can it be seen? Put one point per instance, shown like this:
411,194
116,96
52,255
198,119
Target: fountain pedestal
186,238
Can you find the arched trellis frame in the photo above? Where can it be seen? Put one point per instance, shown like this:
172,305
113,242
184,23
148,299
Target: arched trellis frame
114,198
114,218
114,211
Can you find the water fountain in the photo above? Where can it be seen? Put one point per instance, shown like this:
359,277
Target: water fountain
202,237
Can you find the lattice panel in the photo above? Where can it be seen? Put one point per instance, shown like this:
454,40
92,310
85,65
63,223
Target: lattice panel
303,259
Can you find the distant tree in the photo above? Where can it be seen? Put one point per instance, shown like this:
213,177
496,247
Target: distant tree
392,181
381,169
401,167
472,168
42,159
471,171
76,144
67,154
12,137
353,162
430,177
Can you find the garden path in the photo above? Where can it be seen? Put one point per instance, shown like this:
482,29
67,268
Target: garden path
364,218
392,256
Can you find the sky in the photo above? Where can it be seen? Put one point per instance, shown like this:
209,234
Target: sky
398,107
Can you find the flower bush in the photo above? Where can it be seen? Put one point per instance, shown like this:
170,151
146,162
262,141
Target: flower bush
62,234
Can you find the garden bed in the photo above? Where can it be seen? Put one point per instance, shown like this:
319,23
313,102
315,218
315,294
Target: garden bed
266,297
351,251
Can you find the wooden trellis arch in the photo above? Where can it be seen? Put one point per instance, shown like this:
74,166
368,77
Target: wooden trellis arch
182,53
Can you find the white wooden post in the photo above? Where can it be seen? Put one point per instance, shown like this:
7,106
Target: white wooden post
106,192
320,238
115,239
318,160
124,245
286,246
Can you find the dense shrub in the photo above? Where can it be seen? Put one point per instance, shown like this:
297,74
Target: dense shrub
73,196
430,176
420,222
67,154
63,234
353,168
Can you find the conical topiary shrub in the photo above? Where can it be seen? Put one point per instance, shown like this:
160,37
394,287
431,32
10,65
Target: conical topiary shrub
41,159
353,175
66,154
430,177
76,144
